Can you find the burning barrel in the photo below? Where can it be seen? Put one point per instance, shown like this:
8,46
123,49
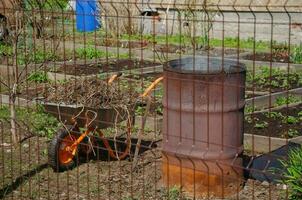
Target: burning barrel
203,125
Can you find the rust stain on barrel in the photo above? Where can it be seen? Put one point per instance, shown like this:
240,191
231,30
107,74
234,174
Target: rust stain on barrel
203,125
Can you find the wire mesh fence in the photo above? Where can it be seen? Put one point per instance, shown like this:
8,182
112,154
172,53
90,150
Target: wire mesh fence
150,99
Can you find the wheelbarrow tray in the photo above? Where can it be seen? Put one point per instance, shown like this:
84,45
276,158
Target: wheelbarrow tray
106,117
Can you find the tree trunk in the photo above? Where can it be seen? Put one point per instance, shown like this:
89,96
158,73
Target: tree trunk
13,118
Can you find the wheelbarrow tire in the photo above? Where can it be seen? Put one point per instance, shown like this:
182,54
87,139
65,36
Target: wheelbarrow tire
54,148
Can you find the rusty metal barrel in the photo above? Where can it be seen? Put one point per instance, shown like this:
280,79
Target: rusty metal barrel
203,104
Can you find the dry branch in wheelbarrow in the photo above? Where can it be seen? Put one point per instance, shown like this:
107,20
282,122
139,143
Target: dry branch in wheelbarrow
93,93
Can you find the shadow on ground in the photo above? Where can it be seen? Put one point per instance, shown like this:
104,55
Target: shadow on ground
101,154
120,145
20,180
268,167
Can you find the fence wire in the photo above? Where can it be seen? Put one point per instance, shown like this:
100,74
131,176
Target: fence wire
150,99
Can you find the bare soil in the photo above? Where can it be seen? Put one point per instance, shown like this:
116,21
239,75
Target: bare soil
149,76
282,57
171,48
218,52
124,44
24,175
80,70
93,69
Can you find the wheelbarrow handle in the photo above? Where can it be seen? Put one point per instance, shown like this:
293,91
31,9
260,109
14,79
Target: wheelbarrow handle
114,76
148,90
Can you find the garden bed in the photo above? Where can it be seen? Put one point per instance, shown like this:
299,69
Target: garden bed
215,52
37,180
145,76
271,100
70,70
268,57
283,123
271,80
133,44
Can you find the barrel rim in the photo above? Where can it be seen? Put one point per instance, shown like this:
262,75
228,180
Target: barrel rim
234,67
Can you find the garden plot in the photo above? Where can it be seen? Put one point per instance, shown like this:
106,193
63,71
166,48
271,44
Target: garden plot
267,80
131,44
211,51
58,52
272,115
99,68
283,123
100,178
279,54
275,124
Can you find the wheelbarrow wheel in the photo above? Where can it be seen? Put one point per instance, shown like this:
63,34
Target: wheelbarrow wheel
61,155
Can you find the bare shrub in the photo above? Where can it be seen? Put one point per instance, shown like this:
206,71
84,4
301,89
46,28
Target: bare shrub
120,18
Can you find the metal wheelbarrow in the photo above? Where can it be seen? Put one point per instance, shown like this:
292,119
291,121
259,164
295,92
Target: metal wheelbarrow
75,139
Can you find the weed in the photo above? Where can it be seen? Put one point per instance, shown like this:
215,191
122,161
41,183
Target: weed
293,174
273,78
48,5
158,92
300,115
139,110
290,120
38,77
159,110
29,55
89,53
261,125
93,53
103,76
6,50
36,56
293,133
296,56
38,121
280,101
249,109
248,118
183,40
274,115
174,193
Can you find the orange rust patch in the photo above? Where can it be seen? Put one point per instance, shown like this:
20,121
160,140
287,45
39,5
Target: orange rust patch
206,179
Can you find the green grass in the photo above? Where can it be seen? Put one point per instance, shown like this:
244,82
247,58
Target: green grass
274,78
38,77
293,174
38,122
47,5
93,53
6,50
228,42
280,101
36,56
296,56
